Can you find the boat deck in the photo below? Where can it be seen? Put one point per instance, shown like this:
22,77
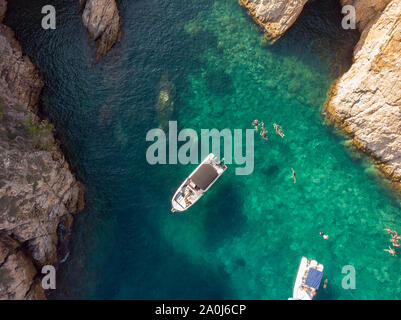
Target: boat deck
199,181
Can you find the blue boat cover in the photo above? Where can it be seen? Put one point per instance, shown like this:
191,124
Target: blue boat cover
314,278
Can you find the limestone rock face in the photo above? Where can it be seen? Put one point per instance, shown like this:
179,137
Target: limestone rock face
38,193
366,10
274,16
366,100
102,20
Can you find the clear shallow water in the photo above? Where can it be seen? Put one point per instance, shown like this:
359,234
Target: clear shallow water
245,238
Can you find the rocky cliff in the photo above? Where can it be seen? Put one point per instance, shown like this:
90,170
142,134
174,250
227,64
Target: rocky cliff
274,16
38,193
102,20
366,100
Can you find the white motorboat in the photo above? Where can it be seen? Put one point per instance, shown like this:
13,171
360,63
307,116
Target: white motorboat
309,277
198,182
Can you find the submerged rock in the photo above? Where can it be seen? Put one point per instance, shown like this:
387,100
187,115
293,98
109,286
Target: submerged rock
366,100
165,102
102,20
37,190
274,16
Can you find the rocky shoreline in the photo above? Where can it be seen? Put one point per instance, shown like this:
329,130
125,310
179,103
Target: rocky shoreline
38,192
366,100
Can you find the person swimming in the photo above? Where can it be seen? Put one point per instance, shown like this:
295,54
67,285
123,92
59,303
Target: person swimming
263,134
391,231
255,123
395,243
391,251
294,176
278,130
325,236
325,284
394,237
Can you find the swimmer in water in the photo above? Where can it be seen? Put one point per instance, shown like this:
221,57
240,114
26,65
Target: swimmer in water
325,236
294,176
263,134
255,123
278,130
395,243
391,251
325,284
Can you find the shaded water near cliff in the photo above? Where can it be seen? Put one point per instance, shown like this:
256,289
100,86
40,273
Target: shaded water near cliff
246,237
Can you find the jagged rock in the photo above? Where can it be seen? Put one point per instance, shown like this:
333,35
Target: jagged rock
366,10
366,100
274,16
37,190
102,20
18,275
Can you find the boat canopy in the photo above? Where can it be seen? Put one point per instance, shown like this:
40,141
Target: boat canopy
314,278
204,176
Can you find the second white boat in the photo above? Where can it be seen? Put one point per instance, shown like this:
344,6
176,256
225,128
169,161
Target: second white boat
309,276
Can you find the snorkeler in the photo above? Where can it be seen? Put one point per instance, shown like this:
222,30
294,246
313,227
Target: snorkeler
294,176
278,130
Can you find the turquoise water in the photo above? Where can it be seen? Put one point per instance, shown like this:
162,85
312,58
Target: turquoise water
245,238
